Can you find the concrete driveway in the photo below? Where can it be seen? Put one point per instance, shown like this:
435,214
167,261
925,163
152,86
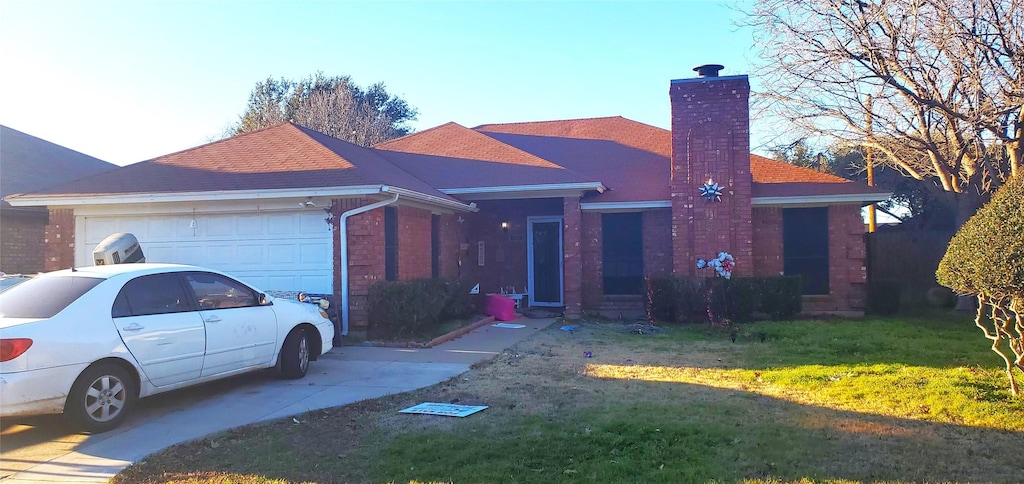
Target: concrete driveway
48,449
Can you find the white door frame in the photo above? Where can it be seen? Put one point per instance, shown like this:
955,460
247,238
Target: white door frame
561,259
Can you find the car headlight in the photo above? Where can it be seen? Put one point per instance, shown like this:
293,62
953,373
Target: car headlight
324,304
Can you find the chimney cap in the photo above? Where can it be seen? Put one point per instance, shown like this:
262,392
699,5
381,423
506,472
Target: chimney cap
708,70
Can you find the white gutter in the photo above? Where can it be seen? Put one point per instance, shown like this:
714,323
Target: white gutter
133,198
524,188
343,233
821,199
625,206
422,197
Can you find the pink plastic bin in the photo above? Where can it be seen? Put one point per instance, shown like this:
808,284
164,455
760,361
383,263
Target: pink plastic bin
501,307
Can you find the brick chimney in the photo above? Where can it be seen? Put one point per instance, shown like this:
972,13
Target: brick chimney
711,141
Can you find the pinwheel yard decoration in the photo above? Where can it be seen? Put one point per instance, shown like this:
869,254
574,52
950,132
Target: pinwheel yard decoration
711,191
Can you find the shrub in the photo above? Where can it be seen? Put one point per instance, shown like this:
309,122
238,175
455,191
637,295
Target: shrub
689,299
780,297
884,297
405,308
986,259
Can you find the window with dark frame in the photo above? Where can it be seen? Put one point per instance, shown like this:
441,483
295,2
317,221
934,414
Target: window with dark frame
805,248
435,246
390,243
622,253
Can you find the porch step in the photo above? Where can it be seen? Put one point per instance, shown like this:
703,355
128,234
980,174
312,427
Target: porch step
621,307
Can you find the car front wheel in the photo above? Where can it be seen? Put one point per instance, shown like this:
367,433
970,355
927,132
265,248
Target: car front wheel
101,397
295,354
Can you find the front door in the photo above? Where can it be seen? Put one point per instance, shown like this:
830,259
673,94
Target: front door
544,254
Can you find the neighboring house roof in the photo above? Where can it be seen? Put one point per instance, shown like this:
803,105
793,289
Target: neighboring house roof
29,163
280,157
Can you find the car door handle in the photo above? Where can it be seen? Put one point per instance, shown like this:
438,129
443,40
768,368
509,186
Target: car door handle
133,327
212,319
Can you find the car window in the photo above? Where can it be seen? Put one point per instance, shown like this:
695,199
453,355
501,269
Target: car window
214,291
44,297
152,294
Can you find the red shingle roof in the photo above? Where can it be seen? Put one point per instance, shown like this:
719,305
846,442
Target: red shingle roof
452,156
279,157
630,158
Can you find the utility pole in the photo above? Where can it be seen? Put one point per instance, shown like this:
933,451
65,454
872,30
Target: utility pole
870,167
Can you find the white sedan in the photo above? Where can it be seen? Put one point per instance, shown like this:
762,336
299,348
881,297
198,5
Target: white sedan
89,341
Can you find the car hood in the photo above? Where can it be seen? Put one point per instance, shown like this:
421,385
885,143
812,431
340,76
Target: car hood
305,311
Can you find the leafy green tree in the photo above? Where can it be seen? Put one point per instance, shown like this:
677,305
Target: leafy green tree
335,106
986,259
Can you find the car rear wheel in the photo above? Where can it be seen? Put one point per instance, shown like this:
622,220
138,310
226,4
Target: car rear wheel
101,397
295,354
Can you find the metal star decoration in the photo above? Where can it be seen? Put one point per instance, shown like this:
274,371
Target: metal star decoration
711,191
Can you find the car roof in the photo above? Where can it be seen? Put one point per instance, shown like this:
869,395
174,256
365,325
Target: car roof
108,271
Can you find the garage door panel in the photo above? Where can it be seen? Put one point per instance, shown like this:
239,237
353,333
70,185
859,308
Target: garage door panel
219,227
281,253
313,254
220,255
250,255
275,251
161,229
281,224
249,225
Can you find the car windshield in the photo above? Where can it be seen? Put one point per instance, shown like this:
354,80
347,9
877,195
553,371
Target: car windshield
43,297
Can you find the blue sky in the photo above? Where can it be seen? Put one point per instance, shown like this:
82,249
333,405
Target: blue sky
128,81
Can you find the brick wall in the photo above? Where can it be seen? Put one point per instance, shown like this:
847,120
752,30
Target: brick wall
847,275
59,237
767,258
22,250
504,251
710,139
572,256
657,242
451,237
593,264
365,257
413,243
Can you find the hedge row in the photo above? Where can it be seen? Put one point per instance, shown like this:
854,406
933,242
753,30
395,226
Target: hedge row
694,299
405,308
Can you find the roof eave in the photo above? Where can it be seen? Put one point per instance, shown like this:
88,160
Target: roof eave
625,206
430,201
819,200
509,192
200,196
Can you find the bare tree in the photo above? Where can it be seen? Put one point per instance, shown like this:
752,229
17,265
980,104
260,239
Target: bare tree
941,81
331,105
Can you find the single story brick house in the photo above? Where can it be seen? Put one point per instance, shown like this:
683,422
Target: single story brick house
27,164
575,212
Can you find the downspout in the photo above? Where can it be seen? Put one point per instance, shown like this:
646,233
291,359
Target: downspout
343,228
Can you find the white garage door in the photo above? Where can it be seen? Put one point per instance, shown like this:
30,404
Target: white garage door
280,251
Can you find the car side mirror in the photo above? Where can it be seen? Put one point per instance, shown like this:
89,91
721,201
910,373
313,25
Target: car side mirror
263,299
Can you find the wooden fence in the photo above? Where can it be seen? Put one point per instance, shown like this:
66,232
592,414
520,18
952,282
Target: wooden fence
908,257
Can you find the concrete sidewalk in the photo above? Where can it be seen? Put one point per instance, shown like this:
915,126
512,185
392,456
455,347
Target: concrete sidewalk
345,375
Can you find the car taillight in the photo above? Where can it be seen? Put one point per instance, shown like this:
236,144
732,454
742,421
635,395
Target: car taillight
11,348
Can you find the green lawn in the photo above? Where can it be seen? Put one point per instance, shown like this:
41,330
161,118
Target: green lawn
888,400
